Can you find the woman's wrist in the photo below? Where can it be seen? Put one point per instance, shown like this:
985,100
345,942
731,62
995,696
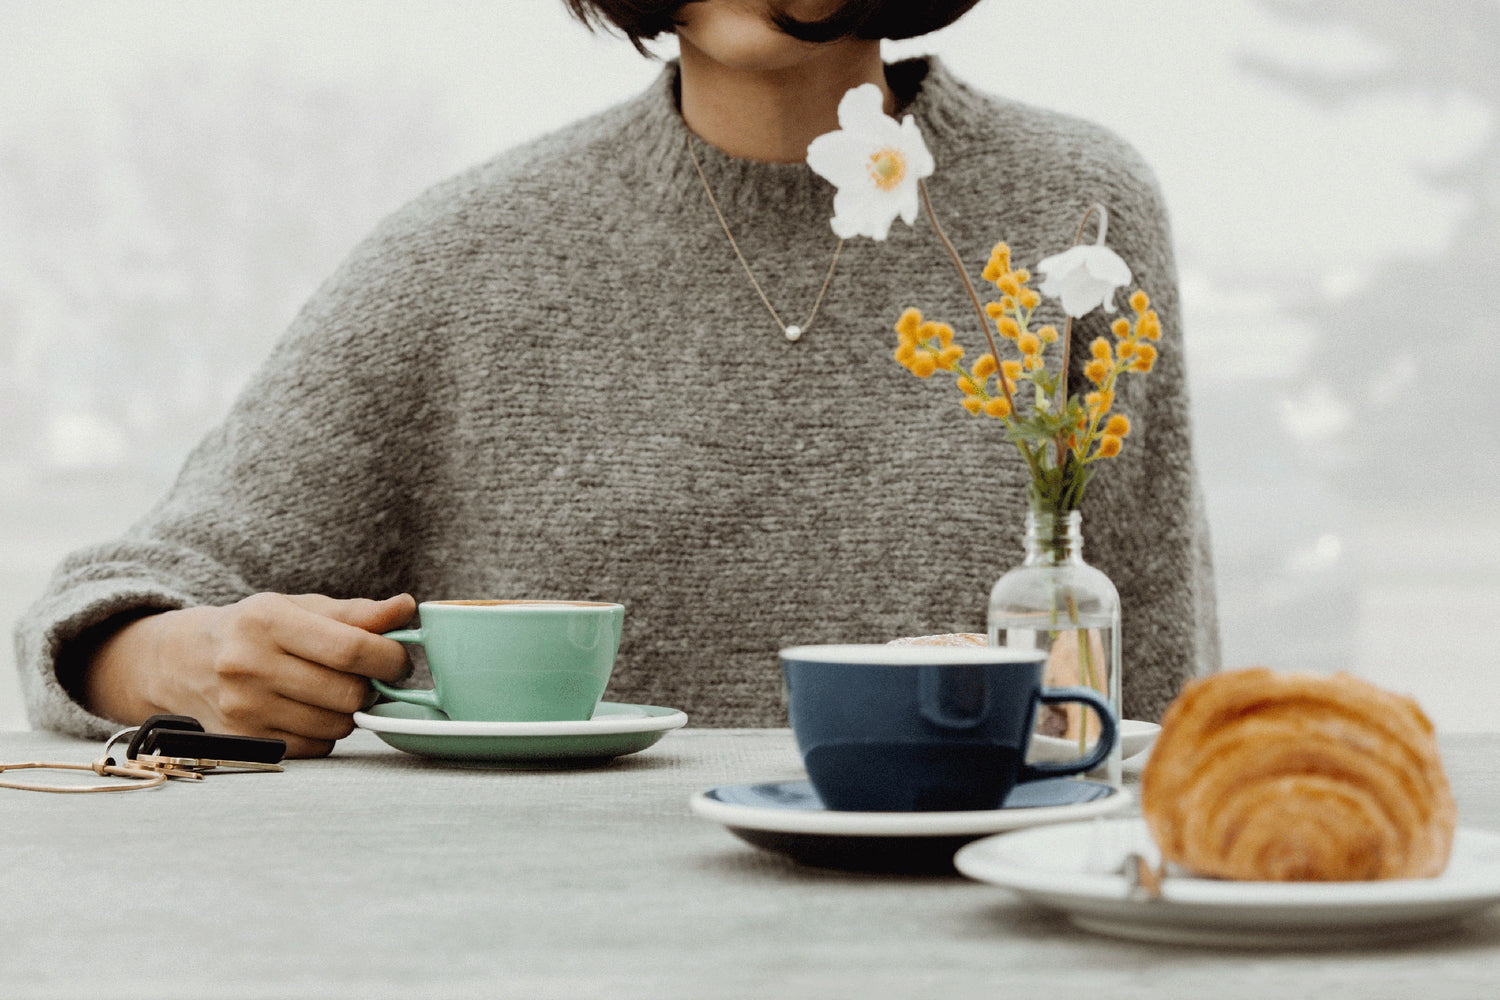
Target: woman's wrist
120,669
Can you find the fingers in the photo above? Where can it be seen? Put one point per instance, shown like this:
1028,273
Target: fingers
372,616
298,746
301,746
302,627
307,721
309,731
316,685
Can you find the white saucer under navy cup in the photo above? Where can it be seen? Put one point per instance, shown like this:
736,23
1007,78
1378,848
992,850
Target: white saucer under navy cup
924,728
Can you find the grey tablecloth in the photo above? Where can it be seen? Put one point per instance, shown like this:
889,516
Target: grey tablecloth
375,874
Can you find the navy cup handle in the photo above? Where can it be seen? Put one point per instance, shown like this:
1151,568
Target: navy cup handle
1108,733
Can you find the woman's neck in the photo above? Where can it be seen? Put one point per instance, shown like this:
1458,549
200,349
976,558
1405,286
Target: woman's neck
773,114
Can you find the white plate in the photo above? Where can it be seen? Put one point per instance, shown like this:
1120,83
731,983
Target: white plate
1135,737
1074,868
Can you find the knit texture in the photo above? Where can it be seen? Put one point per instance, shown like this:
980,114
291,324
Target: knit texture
550,377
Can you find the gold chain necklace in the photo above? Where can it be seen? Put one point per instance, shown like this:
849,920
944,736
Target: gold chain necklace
793,332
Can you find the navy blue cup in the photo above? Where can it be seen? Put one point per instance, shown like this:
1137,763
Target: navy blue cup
924,728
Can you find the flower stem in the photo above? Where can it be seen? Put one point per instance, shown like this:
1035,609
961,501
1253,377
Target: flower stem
1103,224
984,321
1067,337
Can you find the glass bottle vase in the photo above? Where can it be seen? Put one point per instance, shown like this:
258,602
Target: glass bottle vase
1057,602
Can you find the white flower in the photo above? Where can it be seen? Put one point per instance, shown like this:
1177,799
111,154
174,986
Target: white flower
875,164
1084,277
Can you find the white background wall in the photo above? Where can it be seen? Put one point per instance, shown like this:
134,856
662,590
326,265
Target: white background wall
176,177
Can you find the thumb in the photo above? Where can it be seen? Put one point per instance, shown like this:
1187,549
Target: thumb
372,616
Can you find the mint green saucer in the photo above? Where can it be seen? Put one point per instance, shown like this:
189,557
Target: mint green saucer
615,730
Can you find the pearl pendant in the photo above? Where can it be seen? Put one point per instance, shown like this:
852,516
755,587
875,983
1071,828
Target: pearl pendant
793,332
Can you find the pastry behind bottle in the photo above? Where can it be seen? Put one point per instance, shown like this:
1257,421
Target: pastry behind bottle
941,639
1259,775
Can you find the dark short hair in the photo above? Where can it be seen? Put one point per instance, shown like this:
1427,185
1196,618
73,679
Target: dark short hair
642,19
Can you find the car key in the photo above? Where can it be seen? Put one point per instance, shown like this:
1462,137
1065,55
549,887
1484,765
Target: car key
178,745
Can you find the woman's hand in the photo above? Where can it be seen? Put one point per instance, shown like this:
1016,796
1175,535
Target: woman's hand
293,667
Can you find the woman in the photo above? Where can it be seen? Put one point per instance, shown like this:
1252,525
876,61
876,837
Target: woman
571,372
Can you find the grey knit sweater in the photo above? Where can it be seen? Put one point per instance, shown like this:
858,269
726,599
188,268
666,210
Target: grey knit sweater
549,377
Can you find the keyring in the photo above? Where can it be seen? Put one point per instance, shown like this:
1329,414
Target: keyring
117,737
102,767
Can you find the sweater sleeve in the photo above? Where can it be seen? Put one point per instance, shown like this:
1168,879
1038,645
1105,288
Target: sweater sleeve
297,490
1144,517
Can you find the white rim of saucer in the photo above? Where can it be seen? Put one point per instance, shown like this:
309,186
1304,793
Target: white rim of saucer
671,718
899,824
1136,737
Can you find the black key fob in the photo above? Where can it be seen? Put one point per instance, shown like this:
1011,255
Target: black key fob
183,736
182,722
198,745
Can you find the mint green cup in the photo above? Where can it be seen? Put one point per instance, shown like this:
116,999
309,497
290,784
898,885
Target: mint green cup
513,661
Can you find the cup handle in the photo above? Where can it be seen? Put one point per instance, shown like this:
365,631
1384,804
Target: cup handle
426,697
1108,733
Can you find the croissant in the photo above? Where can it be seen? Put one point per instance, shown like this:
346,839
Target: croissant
1266,776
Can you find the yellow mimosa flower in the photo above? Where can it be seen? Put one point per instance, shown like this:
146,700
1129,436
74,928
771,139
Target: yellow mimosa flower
1150,326
1021,275
984,365
1009,328
1001,255
1128,349
1008,284
968,386
994,310
972,404
1012,369
1109,446
944,334
1120,327
1096,371
1145,358
924,364
1139,301
997,407
1029,298
1028,343
906,352
948,357
1007,304
1033,362
1048,334
910,320
1100,349
993,272
1118,426
926,332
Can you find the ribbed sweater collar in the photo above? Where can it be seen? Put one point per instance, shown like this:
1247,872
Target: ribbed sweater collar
945,110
